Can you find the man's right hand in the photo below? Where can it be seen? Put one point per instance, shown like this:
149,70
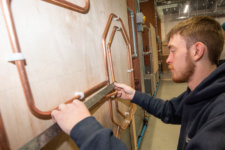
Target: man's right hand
124,91
68,115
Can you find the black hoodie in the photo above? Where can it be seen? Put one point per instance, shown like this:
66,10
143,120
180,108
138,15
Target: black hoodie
200,112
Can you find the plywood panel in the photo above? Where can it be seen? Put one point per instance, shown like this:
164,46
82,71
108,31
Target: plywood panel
63,51
154,49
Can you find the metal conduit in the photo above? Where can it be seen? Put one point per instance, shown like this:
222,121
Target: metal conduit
134,55
71,6
22,71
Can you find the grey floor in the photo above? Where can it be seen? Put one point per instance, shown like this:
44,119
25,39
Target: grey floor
160,136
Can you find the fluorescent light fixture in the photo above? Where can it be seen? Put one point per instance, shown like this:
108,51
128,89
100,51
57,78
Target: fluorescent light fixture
182,17
186,8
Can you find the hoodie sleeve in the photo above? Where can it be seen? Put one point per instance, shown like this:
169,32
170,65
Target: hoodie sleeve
89,134
210,137
167,111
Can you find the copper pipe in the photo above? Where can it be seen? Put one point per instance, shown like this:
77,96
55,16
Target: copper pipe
125,123
105,33
118,110
104,44
111,64
130,66
22,71
71,6
117,131
109,52
112,95
4,143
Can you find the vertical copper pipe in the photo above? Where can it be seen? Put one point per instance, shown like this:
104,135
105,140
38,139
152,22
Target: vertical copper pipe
126,122
22,71
117,131
109,52
4,143
117,108
105,33
111,64
71,6
104,44
123,27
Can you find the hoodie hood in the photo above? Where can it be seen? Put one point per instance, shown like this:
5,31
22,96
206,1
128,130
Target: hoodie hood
211,86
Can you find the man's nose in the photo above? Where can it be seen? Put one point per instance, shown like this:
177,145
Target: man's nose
169,59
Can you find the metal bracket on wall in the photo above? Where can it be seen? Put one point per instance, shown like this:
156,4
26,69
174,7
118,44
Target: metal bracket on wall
22,70
46,136
71,6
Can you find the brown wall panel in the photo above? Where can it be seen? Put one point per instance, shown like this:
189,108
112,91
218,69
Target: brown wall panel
64,54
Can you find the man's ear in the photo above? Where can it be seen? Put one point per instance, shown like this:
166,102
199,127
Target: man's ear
199,50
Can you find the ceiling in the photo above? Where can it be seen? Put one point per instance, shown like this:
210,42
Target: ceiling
215,8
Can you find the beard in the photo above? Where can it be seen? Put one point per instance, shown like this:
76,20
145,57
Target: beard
186,72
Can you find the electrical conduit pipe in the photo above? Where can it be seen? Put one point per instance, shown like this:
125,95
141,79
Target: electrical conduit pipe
134,55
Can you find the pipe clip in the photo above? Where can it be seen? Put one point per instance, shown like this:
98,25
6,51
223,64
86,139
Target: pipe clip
126,113
116,19
130,70
127,121
80,93
15,56
118,29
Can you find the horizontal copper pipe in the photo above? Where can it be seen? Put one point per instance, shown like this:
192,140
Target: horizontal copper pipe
22,71
71,6
4,143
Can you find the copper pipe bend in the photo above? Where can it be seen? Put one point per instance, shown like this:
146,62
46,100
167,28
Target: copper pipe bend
22,71
105,33
126,122
71,6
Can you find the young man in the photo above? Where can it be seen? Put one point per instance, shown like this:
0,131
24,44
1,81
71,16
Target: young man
222,56
195,46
